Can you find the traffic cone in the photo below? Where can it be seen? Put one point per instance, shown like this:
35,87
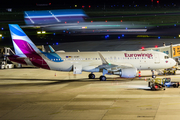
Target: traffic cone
55,74
145,78
139,74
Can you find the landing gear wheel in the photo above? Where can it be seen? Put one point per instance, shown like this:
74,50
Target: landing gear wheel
102,78
174,73
174,85
91,76
153,76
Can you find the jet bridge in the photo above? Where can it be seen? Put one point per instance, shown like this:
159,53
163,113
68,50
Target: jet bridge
173,51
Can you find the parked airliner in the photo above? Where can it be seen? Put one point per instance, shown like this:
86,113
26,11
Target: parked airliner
123,63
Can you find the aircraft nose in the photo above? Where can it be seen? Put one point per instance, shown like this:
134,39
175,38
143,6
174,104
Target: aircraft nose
173,62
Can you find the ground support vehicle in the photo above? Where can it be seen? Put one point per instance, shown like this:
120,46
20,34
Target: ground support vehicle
169,71
162,83
5,65
157,84
169,83
2,65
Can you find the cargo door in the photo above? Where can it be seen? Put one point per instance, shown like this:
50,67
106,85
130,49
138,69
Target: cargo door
156,58
77,69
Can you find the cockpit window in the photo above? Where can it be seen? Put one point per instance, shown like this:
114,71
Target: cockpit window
166,57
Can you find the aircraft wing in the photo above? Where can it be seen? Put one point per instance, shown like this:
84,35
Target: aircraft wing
112,67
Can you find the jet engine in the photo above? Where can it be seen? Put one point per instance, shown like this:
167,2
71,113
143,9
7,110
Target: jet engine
128,72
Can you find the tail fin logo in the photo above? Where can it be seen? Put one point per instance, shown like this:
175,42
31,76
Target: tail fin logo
22,43
24,47
15,29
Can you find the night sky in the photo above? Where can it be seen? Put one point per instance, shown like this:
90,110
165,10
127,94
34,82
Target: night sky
27,3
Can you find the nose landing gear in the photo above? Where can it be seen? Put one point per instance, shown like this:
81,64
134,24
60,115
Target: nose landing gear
91,76
153,76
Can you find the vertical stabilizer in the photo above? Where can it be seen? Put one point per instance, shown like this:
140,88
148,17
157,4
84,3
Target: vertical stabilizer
21,42
24,47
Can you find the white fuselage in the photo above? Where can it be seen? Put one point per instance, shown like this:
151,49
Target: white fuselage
142,60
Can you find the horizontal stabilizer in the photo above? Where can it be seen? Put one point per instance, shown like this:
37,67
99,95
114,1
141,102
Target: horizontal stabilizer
21,57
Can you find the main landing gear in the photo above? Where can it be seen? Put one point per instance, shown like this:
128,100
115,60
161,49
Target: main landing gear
102,78
92,76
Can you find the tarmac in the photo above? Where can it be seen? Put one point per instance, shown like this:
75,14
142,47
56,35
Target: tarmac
38,94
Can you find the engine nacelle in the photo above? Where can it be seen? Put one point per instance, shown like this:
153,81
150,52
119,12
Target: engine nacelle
128,72
90,69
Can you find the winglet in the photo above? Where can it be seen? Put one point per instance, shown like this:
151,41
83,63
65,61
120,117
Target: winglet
51,48
103,59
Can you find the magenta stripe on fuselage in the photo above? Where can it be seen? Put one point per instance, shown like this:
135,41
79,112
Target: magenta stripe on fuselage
14,58
34,57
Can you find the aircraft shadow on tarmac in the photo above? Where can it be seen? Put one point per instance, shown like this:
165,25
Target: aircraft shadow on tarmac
85,81
146,89
41,82
44,82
